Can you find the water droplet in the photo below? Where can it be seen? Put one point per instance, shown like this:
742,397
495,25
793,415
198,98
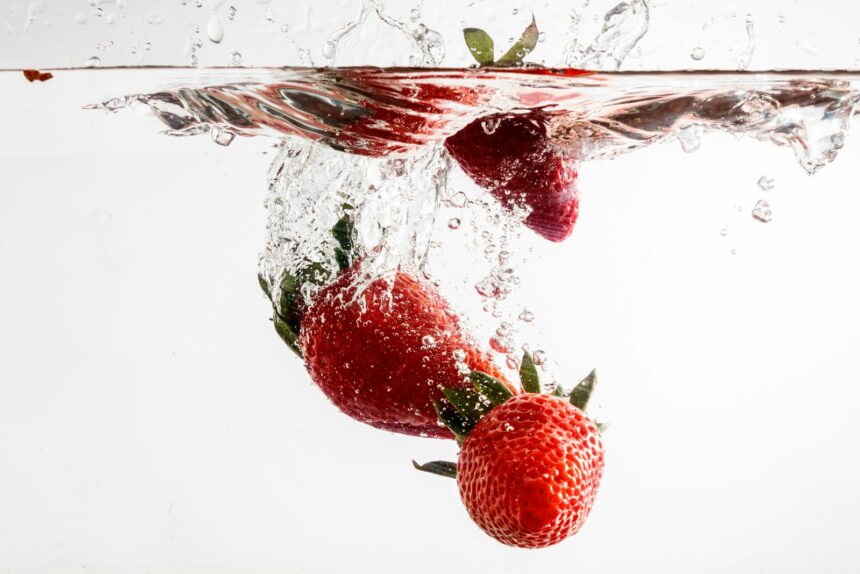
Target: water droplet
542,37
780,18
459,355
734,251
81,18
215,30
270,17
199,3
428,340
724,230
765,183
490,126
504,329
454,223
539,357
414,14
761,211
515,11
236,58
457,200
231,12
500,345
698,53
285,28
221,137
690,138
527,316
94,62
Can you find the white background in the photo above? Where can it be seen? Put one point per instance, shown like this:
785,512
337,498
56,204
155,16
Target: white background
151,421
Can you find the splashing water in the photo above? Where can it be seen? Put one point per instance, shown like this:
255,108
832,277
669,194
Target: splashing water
371,139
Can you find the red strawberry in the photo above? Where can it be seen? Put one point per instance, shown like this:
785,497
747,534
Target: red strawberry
381,356
529,471
530,464
511,156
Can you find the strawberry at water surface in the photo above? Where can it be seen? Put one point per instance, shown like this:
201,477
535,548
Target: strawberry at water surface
512,156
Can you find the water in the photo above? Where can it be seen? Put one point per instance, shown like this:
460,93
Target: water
129,292
371,138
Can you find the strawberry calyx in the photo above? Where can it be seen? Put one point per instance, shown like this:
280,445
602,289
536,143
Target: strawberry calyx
482,47
289,305
463,408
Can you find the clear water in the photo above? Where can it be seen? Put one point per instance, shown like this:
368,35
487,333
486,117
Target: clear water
150,390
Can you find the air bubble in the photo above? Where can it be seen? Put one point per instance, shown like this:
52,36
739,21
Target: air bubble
236,58
500,345
428,340
459,355
457,200
221,137
454,223
698,53
724,230
511,362
765,183
490,126
215,30
527,316
761,211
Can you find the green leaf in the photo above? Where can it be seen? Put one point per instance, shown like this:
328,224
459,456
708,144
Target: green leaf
451,418
522,47
492,388
290,303
580,395
468,402
529,375
264,285
342,232
559,392
290,337
440,467
480,45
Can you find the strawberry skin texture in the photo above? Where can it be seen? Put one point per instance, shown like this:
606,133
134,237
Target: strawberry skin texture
520,166
529,471
371,358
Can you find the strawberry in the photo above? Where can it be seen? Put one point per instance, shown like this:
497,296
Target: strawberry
518,164
512,156
384,354
530,464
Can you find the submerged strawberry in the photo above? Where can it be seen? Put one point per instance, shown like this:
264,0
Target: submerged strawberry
381,355
512,156
530,464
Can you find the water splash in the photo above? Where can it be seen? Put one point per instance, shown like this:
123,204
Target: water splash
623,27
381,112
